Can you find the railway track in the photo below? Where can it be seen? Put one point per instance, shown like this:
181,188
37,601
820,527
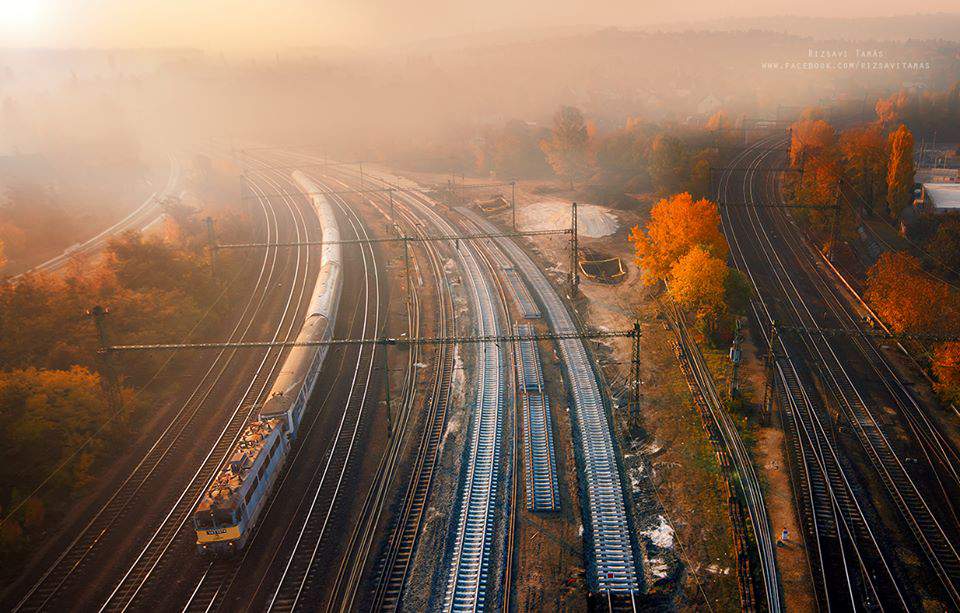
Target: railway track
825,474
204,596
92,540
612,568
843,546
543,491
467,586
140,218
746,477
402,541
142,576
298,585
930,528
353,566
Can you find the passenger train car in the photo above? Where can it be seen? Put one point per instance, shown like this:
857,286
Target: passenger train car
231,505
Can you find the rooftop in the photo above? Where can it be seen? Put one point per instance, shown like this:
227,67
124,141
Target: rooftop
943,195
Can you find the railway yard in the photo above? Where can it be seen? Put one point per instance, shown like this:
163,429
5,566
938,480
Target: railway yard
456,434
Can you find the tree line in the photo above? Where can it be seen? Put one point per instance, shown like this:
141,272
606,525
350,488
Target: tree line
639,158
59,425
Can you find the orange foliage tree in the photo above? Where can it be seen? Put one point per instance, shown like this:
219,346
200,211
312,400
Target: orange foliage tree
865,156
809,137
814,147
906,298
900,170
946,368
676,225
698,282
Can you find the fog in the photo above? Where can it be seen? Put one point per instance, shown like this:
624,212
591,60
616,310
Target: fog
98,94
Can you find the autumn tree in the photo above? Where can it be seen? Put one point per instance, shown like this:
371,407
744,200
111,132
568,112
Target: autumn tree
676,225
944,246
809,138
865,156
46,414
698,283
906,298
568,148
946,368
892,109
900,170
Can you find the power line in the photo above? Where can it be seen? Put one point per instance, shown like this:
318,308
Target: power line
390,239
913,336
379,190
384,340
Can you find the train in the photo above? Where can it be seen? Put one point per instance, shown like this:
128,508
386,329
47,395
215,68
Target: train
231,505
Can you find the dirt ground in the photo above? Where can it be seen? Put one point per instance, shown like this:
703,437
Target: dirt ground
772,462
549,548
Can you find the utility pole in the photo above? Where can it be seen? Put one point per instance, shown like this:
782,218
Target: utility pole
390,192
769,368
635,372
513,202
835,231
406,267
212,246
735,354
574,252
108,383
361,174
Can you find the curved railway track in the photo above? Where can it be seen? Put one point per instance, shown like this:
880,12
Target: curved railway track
745,473
403,538
297,585
92,540
843,548
133,589
221,577
848,562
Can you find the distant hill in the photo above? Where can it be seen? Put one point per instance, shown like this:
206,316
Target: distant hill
936,26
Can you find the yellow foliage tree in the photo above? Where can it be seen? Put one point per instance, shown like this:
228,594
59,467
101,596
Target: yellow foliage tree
698,284
676,225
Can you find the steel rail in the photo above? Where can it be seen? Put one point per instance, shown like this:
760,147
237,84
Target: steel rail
296,581
92,534
611,566
844,504
907,496
409,238
163,537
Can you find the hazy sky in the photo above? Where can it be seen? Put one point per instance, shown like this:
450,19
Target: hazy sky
238,25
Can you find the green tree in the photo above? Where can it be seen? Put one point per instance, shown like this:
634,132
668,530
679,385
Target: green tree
669,164
568,148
